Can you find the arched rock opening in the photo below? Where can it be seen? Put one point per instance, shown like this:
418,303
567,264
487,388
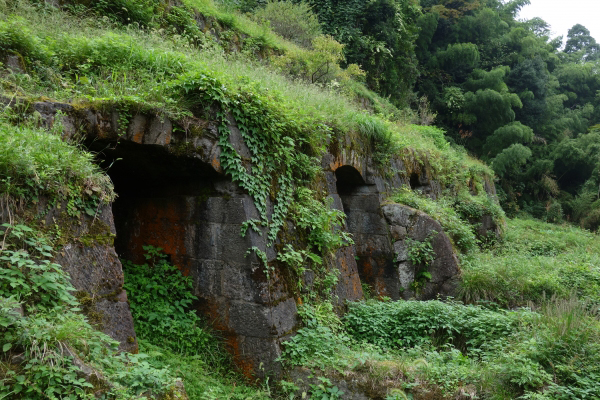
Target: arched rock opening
364,220
195,214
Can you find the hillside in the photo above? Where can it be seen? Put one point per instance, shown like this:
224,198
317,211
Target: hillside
205,200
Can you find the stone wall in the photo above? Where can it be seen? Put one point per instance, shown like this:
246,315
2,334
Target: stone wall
86,252
173,194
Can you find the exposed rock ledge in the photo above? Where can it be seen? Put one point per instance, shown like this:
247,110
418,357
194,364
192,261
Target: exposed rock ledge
173,194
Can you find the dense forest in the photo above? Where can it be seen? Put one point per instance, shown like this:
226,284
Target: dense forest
463,89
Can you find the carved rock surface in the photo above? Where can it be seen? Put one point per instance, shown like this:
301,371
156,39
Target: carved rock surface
408,223
173,194
96,272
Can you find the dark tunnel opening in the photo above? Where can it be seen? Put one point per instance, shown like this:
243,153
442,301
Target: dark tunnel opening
414,181
158,199
365,222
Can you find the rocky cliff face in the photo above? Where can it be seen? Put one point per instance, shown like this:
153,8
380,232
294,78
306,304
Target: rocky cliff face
174,194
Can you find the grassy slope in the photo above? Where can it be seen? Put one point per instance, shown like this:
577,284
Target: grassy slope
549,350
535,260
82,59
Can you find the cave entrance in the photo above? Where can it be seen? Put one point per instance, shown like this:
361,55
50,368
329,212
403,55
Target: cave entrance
364,220
161,201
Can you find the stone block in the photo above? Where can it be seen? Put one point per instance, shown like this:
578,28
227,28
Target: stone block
363,203
401,250
117,322
397,214
250,319
208,278
398,232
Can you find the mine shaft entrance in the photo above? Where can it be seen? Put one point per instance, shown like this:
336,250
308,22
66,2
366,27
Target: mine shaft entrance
159,200
365,221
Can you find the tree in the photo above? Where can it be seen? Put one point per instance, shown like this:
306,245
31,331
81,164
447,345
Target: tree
580,41
503,137
511,159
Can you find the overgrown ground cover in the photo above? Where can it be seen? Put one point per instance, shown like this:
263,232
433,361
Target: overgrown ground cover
531,332
140,58
45,335
535,261
83,58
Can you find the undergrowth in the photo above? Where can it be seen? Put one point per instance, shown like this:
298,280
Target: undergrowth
174,337
161,300
46,339
535,260
137,69
459,214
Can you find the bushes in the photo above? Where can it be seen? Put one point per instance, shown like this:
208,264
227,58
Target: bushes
161,305
16,37
411,323
293,21
141,12
35,163
552,352
43,332
459,230
534,261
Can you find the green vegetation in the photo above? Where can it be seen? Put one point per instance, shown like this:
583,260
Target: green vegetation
174,337
534,261
525,320
408,348
458,214
161,300
45,337
33,162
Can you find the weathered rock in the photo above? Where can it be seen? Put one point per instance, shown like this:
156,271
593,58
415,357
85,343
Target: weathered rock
174,194
95,378
444,270
306,380
89,257
15,64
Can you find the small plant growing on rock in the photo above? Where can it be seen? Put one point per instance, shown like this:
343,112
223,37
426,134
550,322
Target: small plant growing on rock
421,254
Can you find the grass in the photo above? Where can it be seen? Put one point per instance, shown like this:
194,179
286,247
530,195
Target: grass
87,60
535,260
201,381
458,214
547,350
440,349
34,162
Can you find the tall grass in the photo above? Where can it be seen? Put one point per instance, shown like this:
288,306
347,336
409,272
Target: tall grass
73,58
535,260
34,162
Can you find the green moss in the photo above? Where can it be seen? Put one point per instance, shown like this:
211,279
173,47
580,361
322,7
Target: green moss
88,306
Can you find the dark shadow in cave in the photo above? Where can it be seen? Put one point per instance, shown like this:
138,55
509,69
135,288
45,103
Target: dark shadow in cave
158,198
367,225
414,181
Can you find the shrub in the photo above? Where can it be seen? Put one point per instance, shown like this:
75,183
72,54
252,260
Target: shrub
293,21
460,231
161,298
16,37
534,260
411,323
44,331
125,11
34,163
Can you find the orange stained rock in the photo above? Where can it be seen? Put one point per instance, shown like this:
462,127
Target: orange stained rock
138,137
216,163
246,367
162,224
